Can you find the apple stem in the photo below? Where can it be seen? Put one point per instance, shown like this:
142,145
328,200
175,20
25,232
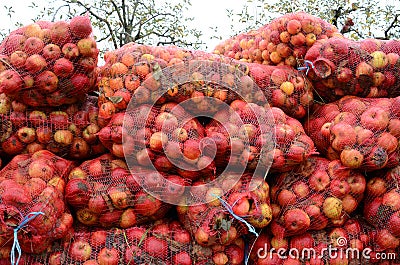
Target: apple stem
29,217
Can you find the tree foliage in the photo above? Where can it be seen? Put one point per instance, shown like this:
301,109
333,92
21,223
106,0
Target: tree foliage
117,22
358,19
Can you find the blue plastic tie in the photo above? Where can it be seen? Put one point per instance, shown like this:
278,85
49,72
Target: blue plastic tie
308,64
246,252
29,217
229,208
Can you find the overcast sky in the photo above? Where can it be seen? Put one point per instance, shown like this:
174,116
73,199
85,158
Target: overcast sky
207,13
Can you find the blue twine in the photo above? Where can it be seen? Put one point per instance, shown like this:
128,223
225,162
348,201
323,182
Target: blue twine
308,64
240,219
246,252
16,245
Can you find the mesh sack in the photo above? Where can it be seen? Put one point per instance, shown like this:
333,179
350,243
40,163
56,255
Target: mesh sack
231,254
215,217
366,68
69,131
353,243
318,194
32,201
49,63
363,133
155,75
292,145
103,193
382,206
163,242
283,41
168,139
164,138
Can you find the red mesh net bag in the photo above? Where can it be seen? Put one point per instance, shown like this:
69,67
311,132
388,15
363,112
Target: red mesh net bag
363,133
292,145
318,194
236,137
69,131
155,75
366,68
163,242
352,243
49,63
169,140
33,211
283,41
284,87
232,254
215,217
102,192
382,208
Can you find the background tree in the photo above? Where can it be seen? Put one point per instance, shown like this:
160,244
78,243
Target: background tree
117,22
357,19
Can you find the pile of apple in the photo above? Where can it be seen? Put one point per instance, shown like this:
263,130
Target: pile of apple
355,234
49,63
382,207
366,68
279,141
362,132
164,242
34,183
284,41
284,87
241,136
71,131
102,192
210,220
166,139
318,194
232,254
156,75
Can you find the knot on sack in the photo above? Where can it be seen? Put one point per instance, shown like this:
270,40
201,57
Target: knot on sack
240,219
29,217
307,65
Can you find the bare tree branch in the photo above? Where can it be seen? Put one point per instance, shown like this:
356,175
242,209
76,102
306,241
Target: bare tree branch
392,25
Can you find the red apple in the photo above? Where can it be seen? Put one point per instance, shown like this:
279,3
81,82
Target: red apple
10,82
47,81
108,256
80,26
386,240
392,200
35,63
351,158
375,118
18,59
80,250
319,180
87,47
296,221
63,67
376,187
342,135
51,52
33,45
59,33
70,50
